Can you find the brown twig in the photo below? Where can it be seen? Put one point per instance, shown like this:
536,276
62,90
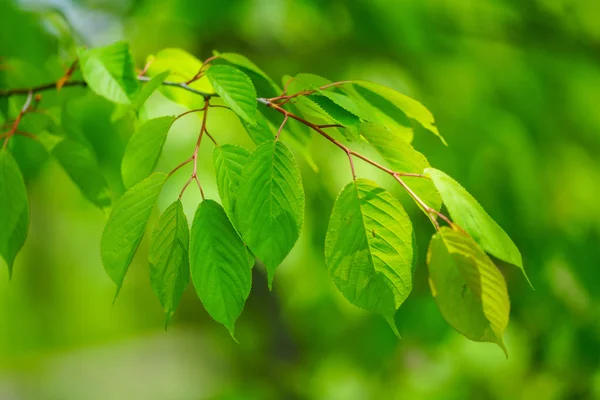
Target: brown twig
15,125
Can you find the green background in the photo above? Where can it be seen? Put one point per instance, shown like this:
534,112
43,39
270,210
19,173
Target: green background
514,87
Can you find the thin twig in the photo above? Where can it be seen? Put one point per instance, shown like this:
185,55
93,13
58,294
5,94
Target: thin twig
15,125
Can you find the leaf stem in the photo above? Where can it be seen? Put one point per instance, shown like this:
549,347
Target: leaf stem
15,124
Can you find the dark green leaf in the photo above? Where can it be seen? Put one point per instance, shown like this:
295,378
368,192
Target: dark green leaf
220,264
144,149
369,248
468,288
270,204
169,259
235,89
14,209
261,131
126,226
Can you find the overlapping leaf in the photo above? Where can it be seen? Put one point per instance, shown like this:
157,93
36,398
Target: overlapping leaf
14,209
468,288
126,226
229,160
235,89
169,259
369,248
144,149
270,204
220,264
471,216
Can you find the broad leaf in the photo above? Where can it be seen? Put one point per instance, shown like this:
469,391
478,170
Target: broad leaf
109,71
229,160
470,216
261,131
14,209
80,163
412,108
270,204
220,264
235,89
369,248
248,66
468,288
402,157
169,259
126,226
144,149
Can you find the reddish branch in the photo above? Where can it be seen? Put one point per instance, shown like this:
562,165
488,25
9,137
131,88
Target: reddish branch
15,125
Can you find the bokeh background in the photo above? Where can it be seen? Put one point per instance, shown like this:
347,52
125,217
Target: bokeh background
515,89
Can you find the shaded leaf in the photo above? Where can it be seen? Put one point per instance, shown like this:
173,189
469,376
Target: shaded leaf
270,204
169,259
261,131
469,289
229,160
144,149
14,209
126,226
220,264
369,248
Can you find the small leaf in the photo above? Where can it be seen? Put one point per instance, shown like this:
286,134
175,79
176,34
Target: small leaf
270,204
469,289
235,89
412,108
109,71
169,259
14,209
126,226
80,163
471,217
147,89
220,264
144,149
369,248
402,157
229,160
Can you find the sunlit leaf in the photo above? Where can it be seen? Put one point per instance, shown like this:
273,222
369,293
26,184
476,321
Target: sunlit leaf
220,264
270,204
126,226
235,89
468,288
229,160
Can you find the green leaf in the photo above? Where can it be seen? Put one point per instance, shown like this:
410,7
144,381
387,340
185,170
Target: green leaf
80,163
144,149
109,71
369,248
470,216
220,264
14,209
169,259
245,64
469,289
412,108
402,157
270,204
147,89
126,226
261,131
303,81
235,89
341,116
229,160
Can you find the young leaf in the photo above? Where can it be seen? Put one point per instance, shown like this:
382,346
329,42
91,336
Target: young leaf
270,204
168,256
80,163
126,226
369,248
109,71
471,217
402,157
14,209
412,108
235,89
144,148
469,289
229,160
147,89
220,264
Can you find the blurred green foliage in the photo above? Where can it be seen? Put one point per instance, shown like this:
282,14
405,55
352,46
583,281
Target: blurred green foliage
514,88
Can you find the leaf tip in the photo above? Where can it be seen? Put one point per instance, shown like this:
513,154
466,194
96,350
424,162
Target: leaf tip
392,323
